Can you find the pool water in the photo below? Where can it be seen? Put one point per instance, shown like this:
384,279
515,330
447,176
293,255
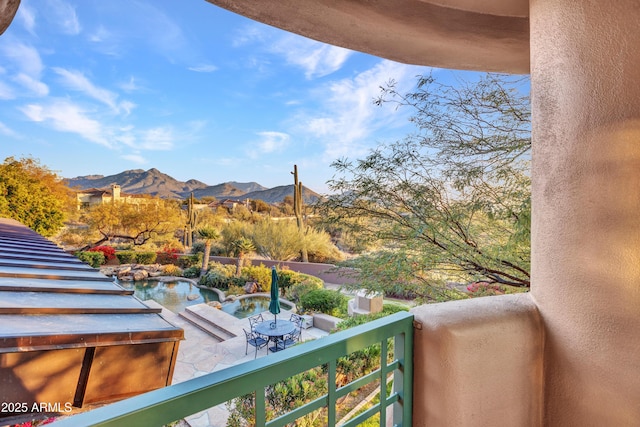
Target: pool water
172,295
250,306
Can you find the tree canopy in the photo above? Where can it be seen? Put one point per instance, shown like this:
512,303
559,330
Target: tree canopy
450,201
33,195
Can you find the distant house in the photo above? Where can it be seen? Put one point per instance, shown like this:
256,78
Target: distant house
229,204
97,196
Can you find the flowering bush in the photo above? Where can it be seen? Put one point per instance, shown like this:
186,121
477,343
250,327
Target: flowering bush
108,251
481,289
35,423
168,255
171,270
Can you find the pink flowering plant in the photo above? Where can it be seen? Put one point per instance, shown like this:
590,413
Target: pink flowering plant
481,289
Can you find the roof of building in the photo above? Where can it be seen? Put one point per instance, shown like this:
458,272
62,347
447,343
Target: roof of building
50,299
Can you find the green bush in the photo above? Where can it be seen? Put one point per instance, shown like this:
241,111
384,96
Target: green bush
259,274
126,257
146,257
194,260
302,285
191,272
323,301
197,248
94,259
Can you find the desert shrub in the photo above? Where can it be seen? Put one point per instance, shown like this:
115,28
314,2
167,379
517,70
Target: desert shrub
108,251
218,280
301,285
323,301
197,248
146,257
171,270
193,260
94,259
259,274
228,270
191,272
126,257
235,290
481,289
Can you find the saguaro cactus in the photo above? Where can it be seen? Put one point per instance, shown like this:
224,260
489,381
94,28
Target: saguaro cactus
192,222
297,210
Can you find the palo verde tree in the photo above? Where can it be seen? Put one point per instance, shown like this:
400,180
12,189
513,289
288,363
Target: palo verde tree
450,201
135,223
33,195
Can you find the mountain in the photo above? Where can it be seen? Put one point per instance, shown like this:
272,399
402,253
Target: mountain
156,183
277,194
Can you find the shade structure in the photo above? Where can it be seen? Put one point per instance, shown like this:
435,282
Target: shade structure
274,304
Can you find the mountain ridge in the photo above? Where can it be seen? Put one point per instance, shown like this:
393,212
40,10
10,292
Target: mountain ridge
159,184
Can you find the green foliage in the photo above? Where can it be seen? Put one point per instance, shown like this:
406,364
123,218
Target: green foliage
259,274
323,301
192,260
221,276
146,257
191,272
94,258
34,195
282,397
303,284
450,202
126,257
108,251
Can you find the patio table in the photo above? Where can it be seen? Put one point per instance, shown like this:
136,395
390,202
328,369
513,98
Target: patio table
275,331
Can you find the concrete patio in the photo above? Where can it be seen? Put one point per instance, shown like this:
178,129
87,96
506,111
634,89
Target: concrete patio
200,353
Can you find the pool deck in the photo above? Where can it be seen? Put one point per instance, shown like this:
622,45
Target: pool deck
200,353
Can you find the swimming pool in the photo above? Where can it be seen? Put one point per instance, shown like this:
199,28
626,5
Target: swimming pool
250,305
175,295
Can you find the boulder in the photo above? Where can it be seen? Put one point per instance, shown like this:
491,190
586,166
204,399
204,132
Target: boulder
139,275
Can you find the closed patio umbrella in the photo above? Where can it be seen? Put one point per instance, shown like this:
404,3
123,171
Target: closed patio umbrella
274,305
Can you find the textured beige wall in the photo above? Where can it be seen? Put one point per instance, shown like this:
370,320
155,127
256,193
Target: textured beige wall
478,362
586,207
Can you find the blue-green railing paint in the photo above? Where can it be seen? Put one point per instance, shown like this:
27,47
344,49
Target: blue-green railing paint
178,401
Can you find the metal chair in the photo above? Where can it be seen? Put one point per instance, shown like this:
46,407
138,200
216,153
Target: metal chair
293,338
254,340
254,320
296,319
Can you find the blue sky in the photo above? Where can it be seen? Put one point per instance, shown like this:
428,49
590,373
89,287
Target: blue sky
99,87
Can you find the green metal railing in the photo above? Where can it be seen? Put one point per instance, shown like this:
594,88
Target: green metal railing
178,401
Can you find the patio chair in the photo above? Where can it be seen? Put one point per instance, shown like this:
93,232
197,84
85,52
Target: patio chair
292,338
296,319
254,340
254,320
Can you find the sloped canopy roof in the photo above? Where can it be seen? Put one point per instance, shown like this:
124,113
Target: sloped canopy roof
489,35
50,299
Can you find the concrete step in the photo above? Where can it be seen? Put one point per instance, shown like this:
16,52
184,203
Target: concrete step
206,320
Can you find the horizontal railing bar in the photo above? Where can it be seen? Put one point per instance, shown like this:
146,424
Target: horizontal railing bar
356,384
360,418
300,411
180,400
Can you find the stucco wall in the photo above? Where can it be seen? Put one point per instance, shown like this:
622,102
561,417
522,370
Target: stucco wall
586,204
478,362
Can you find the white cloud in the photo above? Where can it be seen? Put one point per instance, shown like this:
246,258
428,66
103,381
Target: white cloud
135,158
315,58
5,130
78,81
65,116
157,139
131,85
63,15
25,59
348,117
100,35
6,91
26,15
204,68
34,86
273,141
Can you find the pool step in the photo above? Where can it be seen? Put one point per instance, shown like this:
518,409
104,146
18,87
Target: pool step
209,320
